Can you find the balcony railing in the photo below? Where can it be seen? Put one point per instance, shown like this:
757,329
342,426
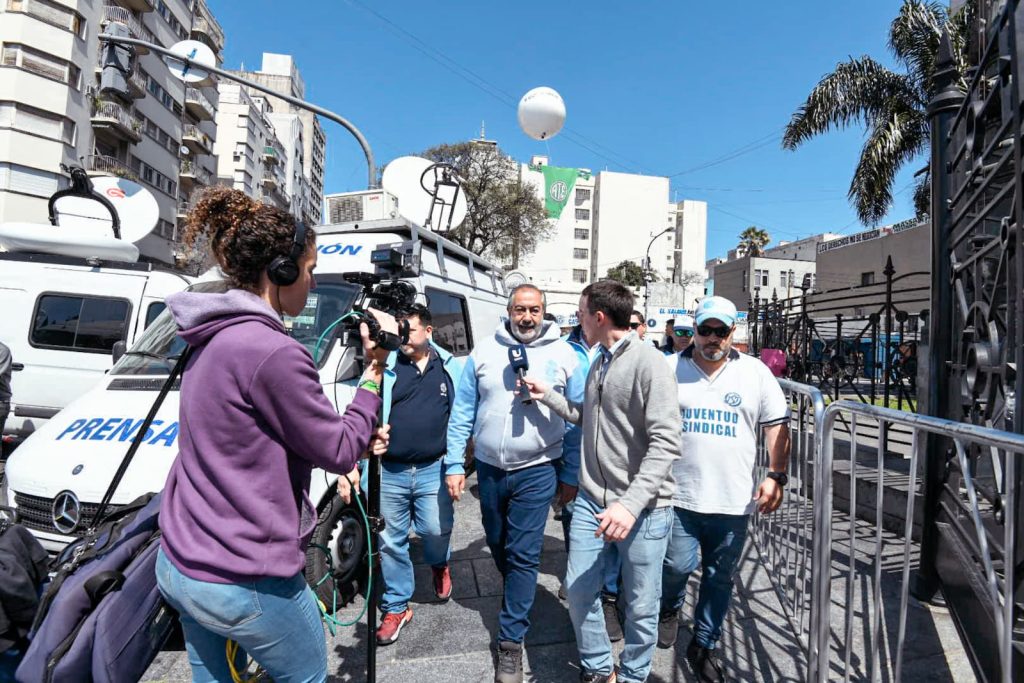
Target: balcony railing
135,27
198,104
117,116
270,179
197,140
138,81
98,163
191,171
208,29
271,155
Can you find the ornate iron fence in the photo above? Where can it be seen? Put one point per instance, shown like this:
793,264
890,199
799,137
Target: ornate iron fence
857,342
974,340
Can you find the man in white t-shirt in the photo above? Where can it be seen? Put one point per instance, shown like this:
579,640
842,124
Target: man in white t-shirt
725,399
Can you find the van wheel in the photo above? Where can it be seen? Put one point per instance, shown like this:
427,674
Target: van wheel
342,532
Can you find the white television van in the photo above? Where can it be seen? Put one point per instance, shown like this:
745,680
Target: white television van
73,291
70,461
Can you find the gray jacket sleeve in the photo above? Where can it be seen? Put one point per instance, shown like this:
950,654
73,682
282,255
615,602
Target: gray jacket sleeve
569,411
661,419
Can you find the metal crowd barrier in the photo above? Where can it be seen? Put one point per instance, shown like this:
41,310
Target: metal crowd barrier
785,540
961,435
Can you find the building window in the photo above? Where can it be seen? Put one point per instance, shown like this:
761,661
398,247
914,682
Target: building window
579,276
581,253
583,214
451,321
166,230
79,323
582,195
30,181
761,278
41,64
867,278
582,234
36,122
51,13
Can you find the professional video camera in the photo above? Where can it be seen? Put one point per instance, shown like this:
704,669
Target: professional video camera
384,290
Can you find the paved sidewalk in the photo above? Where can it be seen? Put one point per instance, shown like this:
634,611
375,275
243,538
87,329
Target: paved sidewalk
452,642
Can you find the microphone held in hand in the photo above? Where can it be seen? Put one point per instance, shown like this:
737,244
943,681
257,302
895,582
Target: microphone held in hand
517,359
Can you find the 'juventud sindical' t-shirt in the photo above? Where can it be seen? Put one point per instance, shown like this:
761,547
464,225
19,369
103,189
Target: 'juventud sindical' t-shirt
721,417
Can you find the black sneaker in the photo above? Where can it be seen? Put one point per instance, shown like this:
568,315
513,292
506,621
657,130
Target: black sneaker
509,668
668,628
589,677
609,603
704,663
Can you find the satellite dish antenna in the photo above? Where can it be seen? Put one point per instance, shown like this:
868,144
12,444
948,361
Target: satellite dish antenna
541,113
135,206
514,278
184,151
197,52
429,194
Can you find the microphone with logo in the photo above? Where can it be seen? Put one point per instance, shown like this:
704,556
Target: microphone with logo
517,359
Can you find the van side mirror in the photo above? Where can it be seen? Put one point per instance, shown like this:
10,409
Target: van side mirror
118,350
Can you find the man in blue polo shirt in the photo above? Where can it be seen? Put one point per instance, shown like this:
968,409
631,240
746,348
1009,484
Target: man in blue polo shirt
419,389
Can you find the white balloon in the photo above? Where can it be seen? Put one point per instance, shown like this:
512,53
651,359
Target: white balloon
541,113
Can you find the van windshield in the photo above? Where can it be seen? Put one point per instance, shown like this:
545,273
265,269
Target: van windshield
159,346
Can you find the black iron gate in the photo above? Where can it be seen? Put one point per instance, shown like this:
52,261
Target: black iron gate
974,340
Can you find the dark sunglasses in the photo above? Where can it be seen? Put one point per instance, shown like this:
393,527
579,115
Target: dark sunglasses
708,330
683,333
634,326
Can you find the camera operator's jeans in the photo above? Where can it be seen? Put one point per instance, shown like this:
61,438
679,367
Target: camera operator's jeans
416,494
276,621
642,554
514,507
719,539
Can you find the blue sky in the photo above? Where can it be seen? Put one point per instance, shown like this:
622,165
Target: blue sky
654,87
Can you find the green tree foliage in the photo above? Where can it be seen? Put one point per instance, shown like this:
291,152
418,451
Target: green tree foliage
505,219
753,241
890,104
629,274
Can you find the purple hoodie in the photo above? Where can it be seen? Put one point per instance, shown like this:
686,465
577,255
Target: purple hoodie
254,422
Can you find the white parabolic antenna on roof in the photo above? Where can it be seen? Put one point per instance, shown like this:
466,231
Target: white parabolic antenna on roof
414,183
135,206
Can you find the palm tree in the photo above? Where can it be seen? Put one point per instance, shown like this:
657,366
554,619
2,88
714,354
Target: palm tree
753,241
892,105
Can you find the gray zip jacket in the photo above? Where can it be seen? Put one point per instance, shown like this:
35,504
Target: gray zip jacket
631,428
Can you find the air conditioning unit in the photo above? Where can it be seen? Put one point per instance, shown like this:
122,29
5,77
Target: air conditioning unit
353,207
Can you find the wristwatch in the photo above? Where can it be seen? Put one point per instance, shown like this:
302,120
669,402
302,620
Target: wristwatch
781,478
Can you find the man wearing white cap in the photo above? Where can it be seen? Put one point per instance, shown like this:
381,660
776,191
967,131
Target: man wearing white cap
725,399
682,333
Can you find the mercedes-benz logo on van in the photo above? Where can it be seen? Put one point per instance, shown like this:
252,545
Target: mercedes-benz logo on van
66,512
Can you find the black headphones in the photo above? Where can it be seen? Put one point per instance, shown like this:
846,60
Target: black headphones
284,270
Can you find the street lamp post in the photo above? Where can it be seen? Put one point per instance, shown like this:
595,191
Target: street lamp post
648,271
302,104
375,522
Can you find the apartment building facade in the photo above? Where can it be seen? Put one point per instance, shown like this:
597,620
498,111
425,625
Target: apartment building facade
610,218
251,157
159,132
280,73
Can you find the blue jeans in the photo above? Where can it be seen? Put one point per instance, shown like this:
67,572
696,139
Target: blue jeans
415,493
613,566
642,554
719,538
276,621
514,507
